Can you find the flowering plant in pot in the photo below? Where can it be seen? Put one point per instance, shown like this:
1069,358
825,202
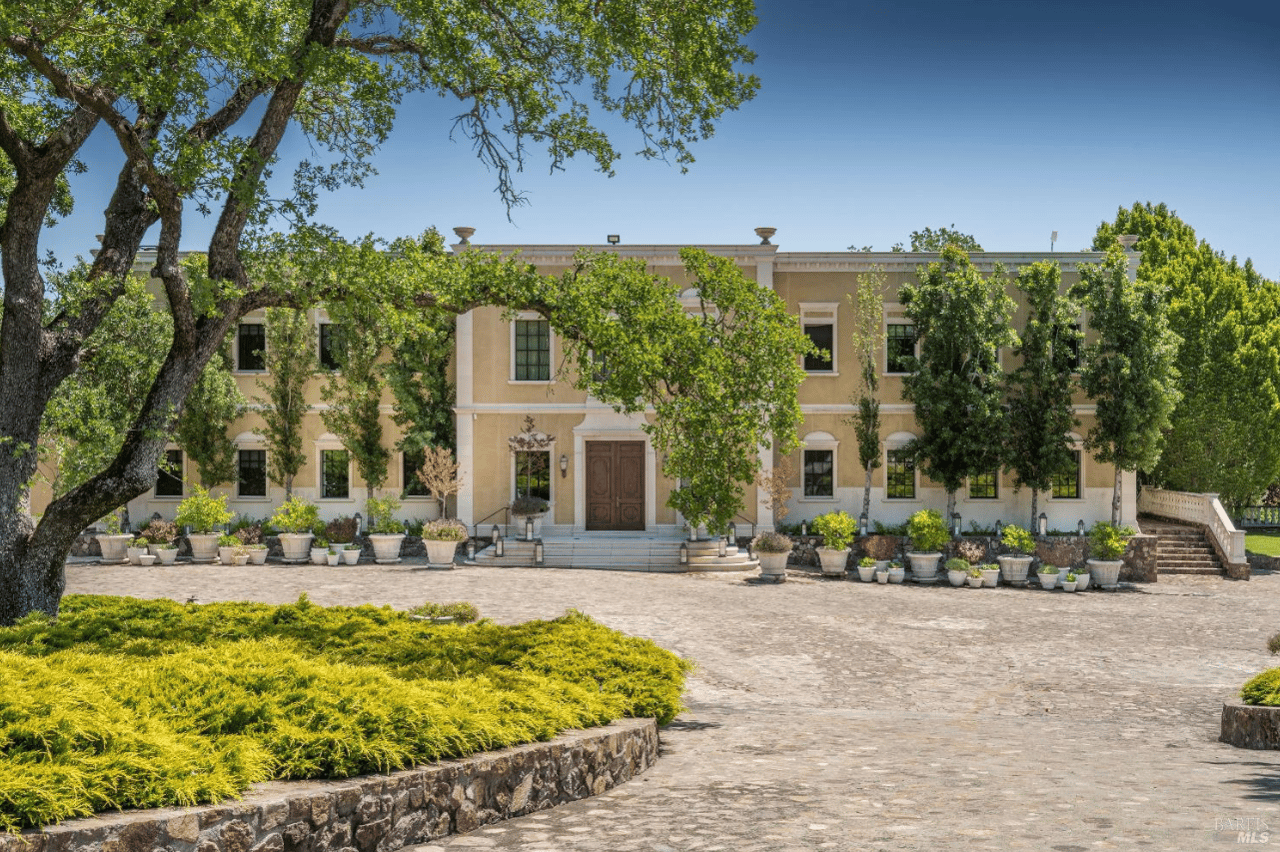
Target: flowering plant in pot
772,549
928,536
441,538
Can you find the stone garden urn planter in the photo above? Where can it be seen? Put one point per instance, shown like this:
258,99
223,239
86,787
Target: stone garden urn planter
1105,573
296,546
386,547
1014,569
114,547
440,553
834,560
773,566
204,546
924,566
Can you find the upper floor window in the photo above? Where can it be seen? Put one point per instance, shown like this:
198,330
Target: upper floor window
330,346
819,473
251,347
532,350
1073,346
900,348
819,324
169,482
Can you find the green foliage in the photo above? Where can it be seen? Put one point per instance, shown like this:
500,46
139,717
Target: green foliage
210,407
341,529
866,301
957,385
957,564
1039,391
1129,370
836,528
1018,540
381,515
526,505
201,511
930,240
1263,690
354,393
1049,569
927,531
1108,541
772,542
1228,319
866,562
123,703
444,529
290,362
296,515
1267,545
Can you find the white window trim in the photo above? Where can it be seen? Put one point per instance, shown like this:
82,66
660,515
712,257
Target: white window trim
236,369
968,486
182,477
823,313
553,469
1077,444
329,444
821,441
511,358
897,441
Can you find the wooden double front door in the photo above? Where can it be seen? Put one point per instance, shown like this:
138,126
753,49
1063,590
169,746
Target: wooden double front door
615,485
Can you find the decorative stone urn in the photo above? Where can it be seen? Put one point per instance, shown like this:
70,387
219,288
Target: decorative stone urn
834,560
924,567
773,566
386,547
204,546
1014,569
1105,573
114,547
296,546
440,553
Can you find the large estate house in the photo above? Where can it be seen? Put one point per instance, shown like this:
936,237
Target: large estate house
598,469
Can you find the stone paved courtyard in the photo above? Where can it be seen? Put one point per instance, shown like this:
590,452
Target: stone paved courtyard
838,715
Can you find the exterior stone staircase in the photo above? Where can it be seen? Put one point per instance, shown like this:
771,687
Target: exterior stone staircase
618,552
1182,549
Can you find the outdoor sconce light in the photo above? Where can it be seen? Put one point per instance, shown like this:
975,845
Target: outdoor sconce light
723,549
537,552
1044,524
804,528
955,524
471,549
496,534
1080,527
684,553
500,546
862,524
528,529
999,526
733,532
564,466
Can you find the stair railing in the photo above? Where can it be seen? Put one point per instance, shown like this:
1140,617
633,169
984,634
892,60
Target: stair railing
1204,510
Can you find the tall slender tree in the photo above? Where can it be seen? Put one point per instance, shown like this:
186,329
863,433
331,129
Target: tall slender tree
291,362
866,303
354,390
1037,447
957,385
214,402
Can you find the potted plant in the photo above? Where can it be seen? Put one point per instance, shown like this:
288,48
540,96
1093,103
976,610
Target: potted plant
239,554
957,570
161,535
526,508
990,575
136,549
772,549
866,569
882,575
112,541
250,537
928,536
897,572
386,534
341,531
350,554
226,548
1014,567
837,530
441,539
1083,579
1107,544
1048,575
333,557
295,519
319,550
202,513
974,577
1069,582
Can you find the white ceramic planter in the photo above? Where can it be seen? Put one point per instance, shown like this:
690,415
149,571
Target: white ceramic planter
386,547
258,556
991,577
319,555
204,546
773,566
1105,573
135,555
225,554
1082,582
866,573
882,577
114,547
924,566
897,575
350,557
834,561
1068,585
974,582
296,546
956,578
166,555
333,557
146,559
1014,569
1048,581
440,553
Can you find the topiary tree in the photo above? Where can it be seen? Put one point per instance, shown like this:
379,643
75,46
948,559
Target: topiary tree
866,301
957,386
290,361
214,402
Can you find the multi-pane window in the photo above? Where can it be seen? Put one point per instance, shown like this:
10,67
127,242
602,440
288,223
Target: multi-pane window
822,335
330,346
1067,485
251,346
335,474
169,482
819,473
900,348
900,475
533,474
252,478
1072,344
984,486
533,351
412,463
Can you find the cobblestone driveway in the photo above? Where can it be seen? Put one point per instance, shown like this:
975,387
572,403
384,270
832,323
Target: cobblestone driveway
840,715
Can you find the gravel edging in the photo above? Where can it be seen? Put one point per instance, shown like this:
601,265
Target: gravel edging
373,813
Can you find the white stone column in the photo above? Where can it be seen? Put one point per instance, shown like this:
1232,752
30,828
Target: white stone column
464,417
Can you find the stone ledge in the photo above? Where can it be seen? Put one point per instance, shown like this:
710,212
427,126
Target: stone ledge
1250,726
373,813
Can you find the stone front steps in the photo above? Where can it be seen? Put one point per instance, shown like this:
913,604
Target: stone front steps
619,552
1182,549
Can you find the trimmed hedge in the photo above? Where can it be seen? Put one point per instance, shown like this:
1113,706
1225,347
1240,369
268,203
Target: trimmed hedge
1264,689
125,703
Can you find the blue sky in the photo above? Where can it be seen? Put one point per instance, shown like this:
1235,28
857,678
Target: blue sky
1009,118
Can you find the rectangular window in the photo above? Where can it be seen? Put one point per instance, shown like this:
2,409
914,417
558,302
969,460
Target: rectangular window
900,348
335,474
533,351
1067,485
330,346
252,480
169,482
411,463
984,486
251,346
822,335
819,473
900,475
1073,347
533,474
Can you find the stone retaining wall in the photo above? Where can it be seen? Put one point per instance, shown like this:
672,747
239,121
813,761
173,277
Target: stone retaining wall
1249,726
378,813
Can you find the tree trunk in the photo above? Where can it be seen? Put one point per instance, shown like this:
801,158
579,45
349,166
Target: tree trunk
1115,498
866,497
949,520
1034,518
